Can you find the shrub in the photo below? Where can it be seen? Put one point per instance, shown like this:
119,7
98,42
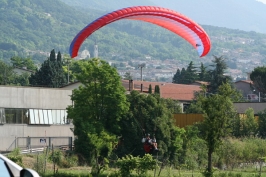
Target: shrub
16,157
129,163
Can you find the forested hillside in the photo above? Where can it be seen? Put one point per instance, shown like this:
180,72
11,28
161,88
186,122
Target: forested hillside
30,26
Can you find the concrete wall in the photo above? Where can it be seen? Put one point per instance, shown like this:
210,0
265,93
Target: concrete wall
257,106
33,97
8,133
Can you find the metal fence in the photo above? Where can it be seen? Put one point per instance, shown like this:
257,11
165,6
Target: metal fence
35,144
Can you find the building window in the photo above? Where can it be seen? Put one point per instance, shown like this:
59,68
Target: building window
32,116
16,116
43,117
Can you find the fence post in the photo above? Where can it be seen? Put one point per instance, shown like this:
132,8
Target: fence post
49,142
70,143
28,142
15,142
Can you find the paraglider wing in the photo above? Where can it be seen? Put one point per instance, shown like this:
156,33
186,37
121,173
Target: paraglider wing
171,20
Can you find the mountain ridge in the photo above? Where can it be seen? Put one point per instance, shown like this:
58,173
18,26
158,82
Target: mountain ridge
37,25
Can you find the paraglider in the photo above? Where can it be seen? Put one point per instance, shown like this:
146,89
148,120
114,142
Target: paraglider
166,18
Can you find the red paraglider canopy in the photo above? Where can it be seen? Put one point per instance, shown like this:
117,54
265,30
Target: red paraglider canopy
166,18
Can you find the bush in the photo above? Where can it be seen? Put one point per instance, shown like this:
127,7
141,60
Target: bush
62,159
141,165
16,157
39,165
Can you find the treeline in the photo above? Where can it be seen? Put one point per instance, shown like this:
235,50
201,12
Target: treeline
211,76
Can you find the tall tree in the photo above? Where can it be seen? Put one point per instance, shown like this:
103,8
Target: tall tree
218,76
157,90
218,112
182,78
150,89
59,57
94,115
203,74
191,74
59,74
52,56
176,76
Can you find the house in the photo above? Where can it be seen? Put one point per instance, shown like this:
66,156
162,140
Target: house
245,87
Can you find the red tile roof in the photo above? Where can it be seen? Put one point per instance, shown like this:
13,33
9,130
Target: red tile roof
179,92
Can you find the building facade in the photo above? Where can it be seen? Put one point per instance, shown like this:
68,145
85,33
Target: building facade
33,112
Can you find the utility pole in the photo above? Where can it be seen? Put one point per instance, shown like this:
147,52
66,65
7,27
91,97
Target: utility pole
141,66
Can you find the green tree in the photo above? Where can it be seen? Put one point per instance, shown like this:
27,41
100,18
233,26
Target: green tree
94,115
59,77
74,68
186,76
23,63
7,75
51,73
190,135
176,76
157,90
218,76
219,112
245,125
182,79
150,114
52,56
150,89
262,124
203,73
191,74
229,91
251,125
67,63
128,76
22,80
258,76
